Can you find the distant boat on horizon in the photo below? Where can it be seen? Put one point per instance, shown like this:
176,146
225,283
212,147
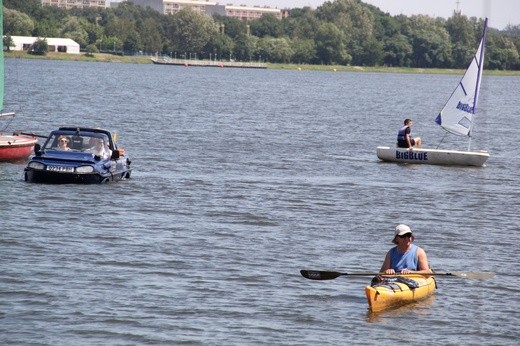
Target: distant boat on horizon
208,63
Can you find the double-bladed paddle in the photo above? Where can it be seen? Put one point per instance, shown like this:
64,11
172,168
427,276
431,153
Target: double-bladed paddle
330,275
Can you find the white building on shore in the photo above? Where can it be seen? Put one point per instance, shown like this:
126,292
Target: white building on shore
58,45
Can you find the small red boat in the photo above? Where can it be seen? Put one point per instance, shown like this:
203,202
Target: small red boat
16,147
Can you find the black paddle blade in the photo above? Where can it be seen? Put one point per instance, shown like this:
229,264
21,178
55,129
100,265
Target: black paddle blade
319,275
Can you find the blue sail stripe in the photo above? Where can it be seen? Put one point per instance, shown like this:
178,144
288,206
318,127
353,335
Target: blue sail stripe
463,89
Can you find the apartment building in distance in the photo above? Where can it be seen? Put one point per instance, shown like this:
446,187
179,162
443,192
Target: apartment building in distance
68,4
254,12
173,6
211,7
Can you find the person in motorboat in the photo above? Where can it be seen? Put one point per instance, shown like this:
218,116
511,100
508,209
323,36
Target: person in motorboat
63,143
404,137
99,148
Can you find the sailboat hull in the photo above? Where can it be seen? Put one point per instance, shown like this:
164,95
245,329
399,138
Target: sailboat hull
16,148
433,156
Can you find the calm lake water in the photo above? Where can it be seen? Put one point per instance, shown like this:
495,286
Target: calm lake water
242,178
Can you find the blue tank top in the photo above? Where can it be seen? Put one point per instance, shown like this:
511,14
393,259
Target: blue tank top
407,260
401,134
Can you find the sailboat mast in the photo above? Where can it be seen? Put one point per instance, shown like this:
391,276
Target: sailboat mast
479,77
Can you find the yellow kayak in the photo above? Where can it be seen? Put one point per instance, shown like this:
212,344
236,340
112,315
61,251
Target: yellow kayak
395,292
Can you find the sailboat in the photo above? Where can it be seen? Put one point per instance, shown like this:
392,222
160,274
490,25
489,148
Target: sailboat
457,117
14,147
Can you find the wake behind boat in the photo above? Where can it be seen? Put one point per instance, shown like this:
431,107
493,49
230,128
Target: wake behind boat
457,117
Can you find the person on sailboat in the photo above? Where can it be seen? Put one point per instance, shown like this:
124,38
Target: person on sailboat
404,137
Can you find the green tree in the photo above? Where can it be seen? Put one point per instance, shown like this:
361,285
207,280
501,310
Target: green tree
430,41
218,46
47,28
231,26
192,30
513,30
331,47
17,23
8,42
462,37
109,44
151,36
370,53
501,53
39,47
120,28
90,50
245,48
385,26
132,43
267,25
277,50
93,29
356,22
27,6
398,51
73,29
304,51
302,24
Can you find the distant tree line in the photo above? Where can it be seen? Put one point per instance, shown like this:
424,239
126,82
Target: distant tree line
339,32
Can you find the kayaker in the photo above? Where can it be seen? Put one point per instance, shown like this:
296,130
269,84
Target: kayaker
406,257
404,137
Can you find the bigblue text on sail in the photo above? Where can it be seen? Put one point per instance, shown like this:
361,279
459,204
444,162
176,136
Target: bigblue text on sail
465,107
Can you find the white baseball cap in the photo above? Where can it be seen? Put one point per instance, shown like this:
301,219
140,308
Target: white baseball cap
402,229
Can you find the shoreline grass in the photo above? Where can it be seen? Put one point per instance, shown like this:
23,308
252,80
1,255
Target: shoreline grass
141,59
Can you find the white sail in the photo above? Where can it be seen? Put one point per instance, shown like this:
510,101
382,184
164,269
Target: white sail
458,113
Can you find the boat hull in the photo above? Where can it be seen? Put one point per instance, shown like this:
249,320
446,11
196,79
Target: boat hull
16,148
395,294
432,156
38,176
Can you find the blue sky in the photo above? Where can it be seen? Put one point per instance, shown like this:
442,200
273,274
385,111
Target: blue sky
500,12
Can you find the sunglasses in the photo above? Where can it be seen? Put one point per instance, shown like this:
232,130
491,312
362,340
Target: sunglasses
407,235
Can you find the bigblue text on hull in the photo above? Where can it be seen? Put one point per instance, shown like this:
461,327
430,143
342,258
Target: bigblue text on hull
410,155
